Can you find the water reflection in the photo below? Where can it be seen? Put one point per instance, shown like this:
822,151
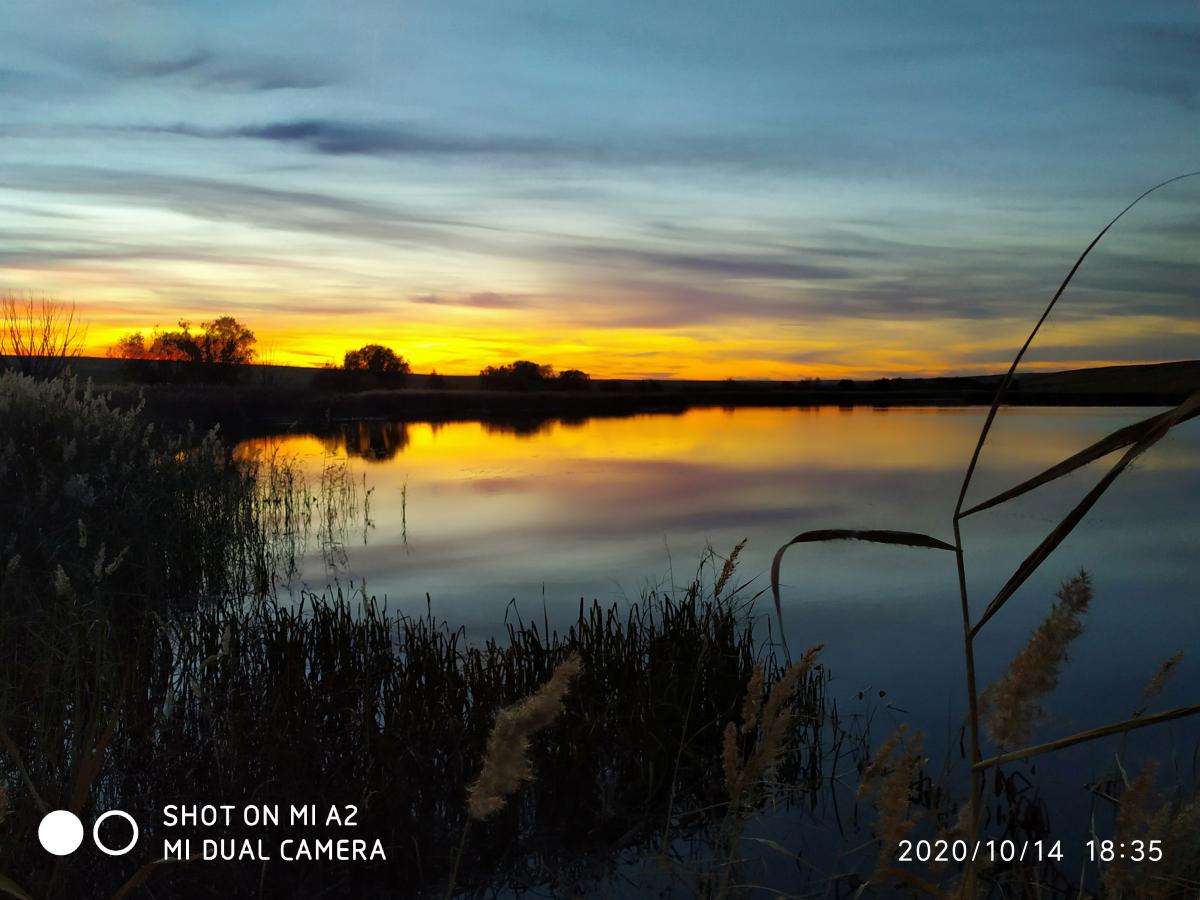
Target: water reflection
601,508
372,441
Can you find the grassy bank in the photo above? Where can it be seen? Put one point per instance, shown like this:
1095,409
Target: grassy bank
149,657
145,661
277,397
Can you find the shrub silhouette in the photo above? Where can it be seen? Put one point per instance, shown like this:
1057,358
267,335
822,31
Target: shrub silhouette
574,380
209,355
518,375
39,336
375,359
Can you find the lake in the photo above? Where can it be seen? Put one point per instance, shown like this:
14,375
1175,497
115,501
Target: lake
478,515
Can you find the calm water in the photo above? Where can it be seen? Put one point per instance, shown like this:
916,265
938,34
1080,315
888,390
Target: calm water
607,507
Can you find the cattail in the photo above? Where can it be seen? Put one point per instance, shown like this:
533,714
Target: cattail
506,762
727,570
1010,703
1159,680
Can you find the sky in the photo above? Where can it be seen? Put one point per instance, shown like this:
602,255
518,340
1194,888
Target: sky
667,189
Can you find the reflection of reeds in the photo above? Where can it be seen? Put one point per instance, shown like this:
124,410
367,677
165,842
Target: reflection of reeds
336,700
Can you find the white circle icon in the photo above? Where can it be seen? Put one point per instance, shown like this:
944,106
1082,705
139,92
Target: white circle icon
121,814
61,832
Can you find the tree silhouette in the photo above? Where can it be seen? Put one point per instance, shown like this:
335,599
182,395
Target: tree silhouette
375,359
224,341
574,380
39,335
519,374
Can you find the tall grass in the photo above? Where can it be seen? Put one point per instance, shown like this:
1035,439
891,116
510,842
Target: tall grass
1010,702
337,701
145,660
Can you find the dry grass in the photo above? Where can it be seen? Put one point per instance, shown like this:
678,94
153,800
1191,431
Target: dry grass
1158,681
506,764
1010,704
765,725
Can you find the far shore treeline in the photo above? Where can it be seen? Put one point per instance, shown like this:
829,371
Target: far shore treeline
216,373
221,346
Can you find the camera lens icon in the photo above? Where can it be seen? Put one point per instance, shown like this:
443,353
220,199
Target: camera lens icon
104,848
60,832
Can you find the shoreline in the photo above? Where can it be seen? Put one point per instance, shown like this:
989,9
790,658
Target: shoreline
263,398
247,408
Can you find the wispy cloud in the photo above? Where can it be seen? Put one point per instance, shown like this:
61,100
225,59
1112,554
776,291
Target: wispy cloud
482,300
208,68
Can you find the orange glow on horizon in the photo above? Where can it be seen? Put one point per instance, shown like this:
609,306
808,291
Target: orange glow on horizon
458,341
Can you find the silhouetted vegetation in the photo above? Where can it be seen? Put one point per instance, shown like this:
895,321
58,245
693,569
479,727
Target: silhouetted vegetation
372,441
130,655
377,360
39,336
214,354
524,375
519,375
574,380
1005,713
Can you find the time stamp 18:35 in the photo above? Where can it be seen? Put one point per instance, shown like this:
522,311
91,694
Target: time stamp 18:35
1102,851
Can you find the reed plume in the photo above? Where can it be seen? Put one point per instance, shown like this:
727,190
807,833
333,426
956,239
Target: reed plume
1011,703
1159,680
1130,821
506,762
729,568
771,719
890,776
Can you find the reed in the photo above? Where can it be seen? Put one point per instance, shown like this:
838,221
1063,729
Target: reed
766,725
1008,707
128,687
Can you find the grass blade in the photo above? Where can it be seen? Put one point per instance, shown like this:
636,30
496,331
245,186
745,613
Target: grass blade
10,888
1091,735
1004,385
902,538
1186,409
1123,437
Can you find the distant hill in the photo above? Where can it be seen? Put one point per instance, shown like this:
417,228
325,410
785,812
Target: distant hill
1170,377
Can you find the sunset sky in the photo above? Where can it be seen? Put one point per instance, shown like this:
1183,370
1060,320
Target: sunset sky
663,189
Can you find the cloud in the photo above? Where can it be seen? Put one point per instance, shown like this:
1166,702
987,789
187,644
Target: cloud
205,68
482,300
1157,61
816,153
715,264
220,200
151,67
341,139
